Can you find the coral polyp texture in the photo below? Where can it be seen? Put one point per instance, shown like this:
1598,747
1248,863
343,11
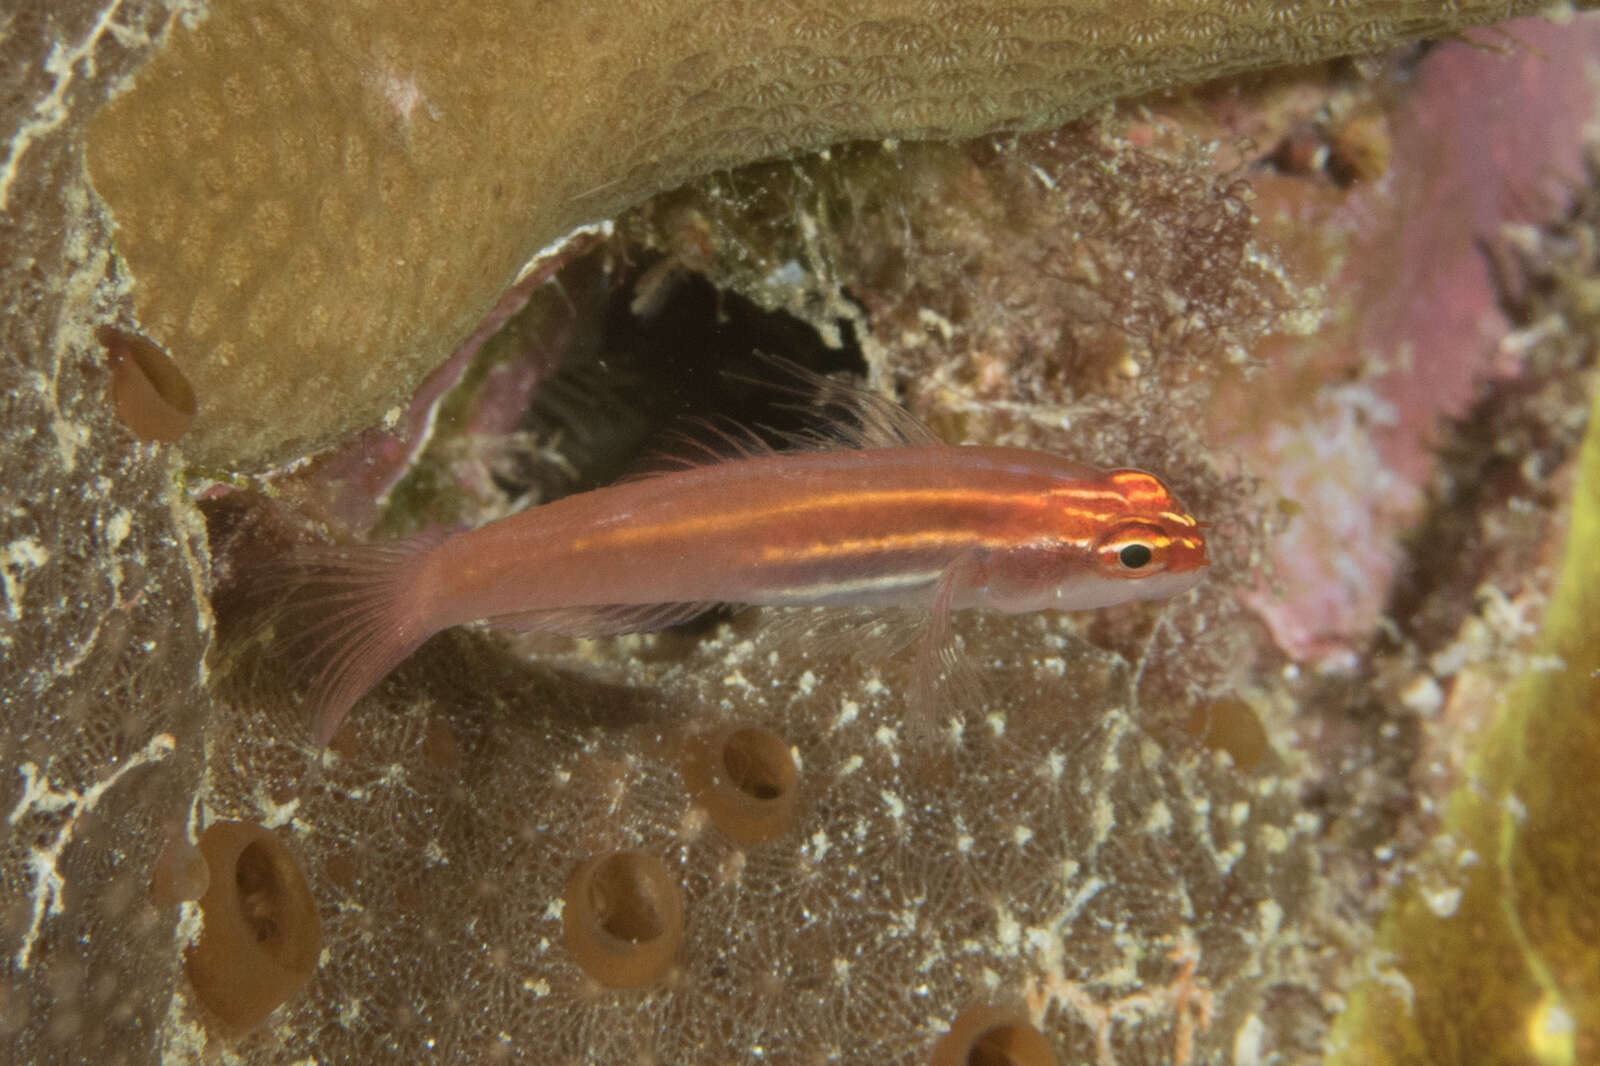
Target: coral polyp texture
558,891
317,201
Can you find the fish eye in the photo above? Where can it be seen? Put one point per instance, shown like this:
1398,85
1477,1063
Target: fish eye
1136,556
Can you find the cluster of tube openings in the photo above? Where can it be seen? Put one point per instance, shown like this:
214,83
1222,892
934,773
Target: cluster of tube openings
623,913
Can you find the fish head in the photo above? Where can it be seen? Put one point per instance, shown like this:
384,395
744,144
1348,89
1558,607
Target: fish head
1150,542
1099,541
1142,545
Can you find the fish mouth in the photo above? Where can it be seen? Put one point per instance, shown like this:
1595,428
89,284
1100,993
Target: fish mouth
1163,586
1200,548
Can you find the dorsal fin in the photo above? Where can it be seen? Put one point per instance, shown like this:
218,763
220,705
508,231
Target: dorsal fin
697,441
833,415
846,415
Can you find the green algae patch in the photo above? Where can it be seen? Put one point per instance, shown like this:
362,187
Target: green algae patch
1509,970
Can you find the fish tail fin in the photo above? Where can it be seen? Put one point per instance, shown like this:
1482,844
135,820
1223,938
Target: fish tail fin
344,617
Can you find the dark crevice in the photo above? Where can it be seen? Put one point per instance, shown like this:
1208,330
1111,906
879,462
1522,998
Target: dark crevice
663,352
1495,463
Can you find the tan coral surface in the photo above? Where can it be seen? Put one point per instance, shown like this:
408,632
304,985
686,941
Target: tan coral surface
318,200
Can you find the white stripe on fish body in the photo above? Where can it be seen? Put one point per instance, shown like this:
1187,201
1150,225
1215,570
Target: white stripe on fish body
875,590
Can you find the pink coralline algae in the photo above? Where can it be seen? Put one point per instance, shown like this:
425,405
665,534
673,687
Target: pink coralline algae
1482,139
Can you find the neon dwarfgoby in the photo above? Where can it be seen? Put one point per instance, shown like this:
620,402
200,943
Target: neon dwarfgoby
886,517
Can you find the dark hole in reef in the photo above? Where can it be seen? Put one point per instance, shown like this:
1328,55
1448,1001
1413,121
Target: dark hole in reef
622,896
658,350
260,893
758,763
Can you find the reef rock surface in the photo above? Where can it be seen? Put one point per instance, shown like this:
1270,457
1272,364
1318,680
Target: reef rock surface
1158,841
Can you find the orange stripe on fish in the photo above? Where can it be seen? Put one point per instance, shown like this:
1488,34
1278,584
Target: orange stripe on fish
895,519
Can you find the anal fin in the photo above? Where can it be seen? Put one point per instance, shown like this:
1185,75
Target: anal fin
601,620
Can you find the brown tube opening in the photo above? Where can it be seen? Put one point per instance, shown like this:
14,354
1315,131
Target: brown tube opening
1231,725
623,918
152,396
758,763
992,1036
746,780
260,935
623,898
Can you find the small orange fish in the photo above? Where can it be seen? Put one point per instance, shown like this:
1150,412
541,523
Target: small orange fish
886,516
